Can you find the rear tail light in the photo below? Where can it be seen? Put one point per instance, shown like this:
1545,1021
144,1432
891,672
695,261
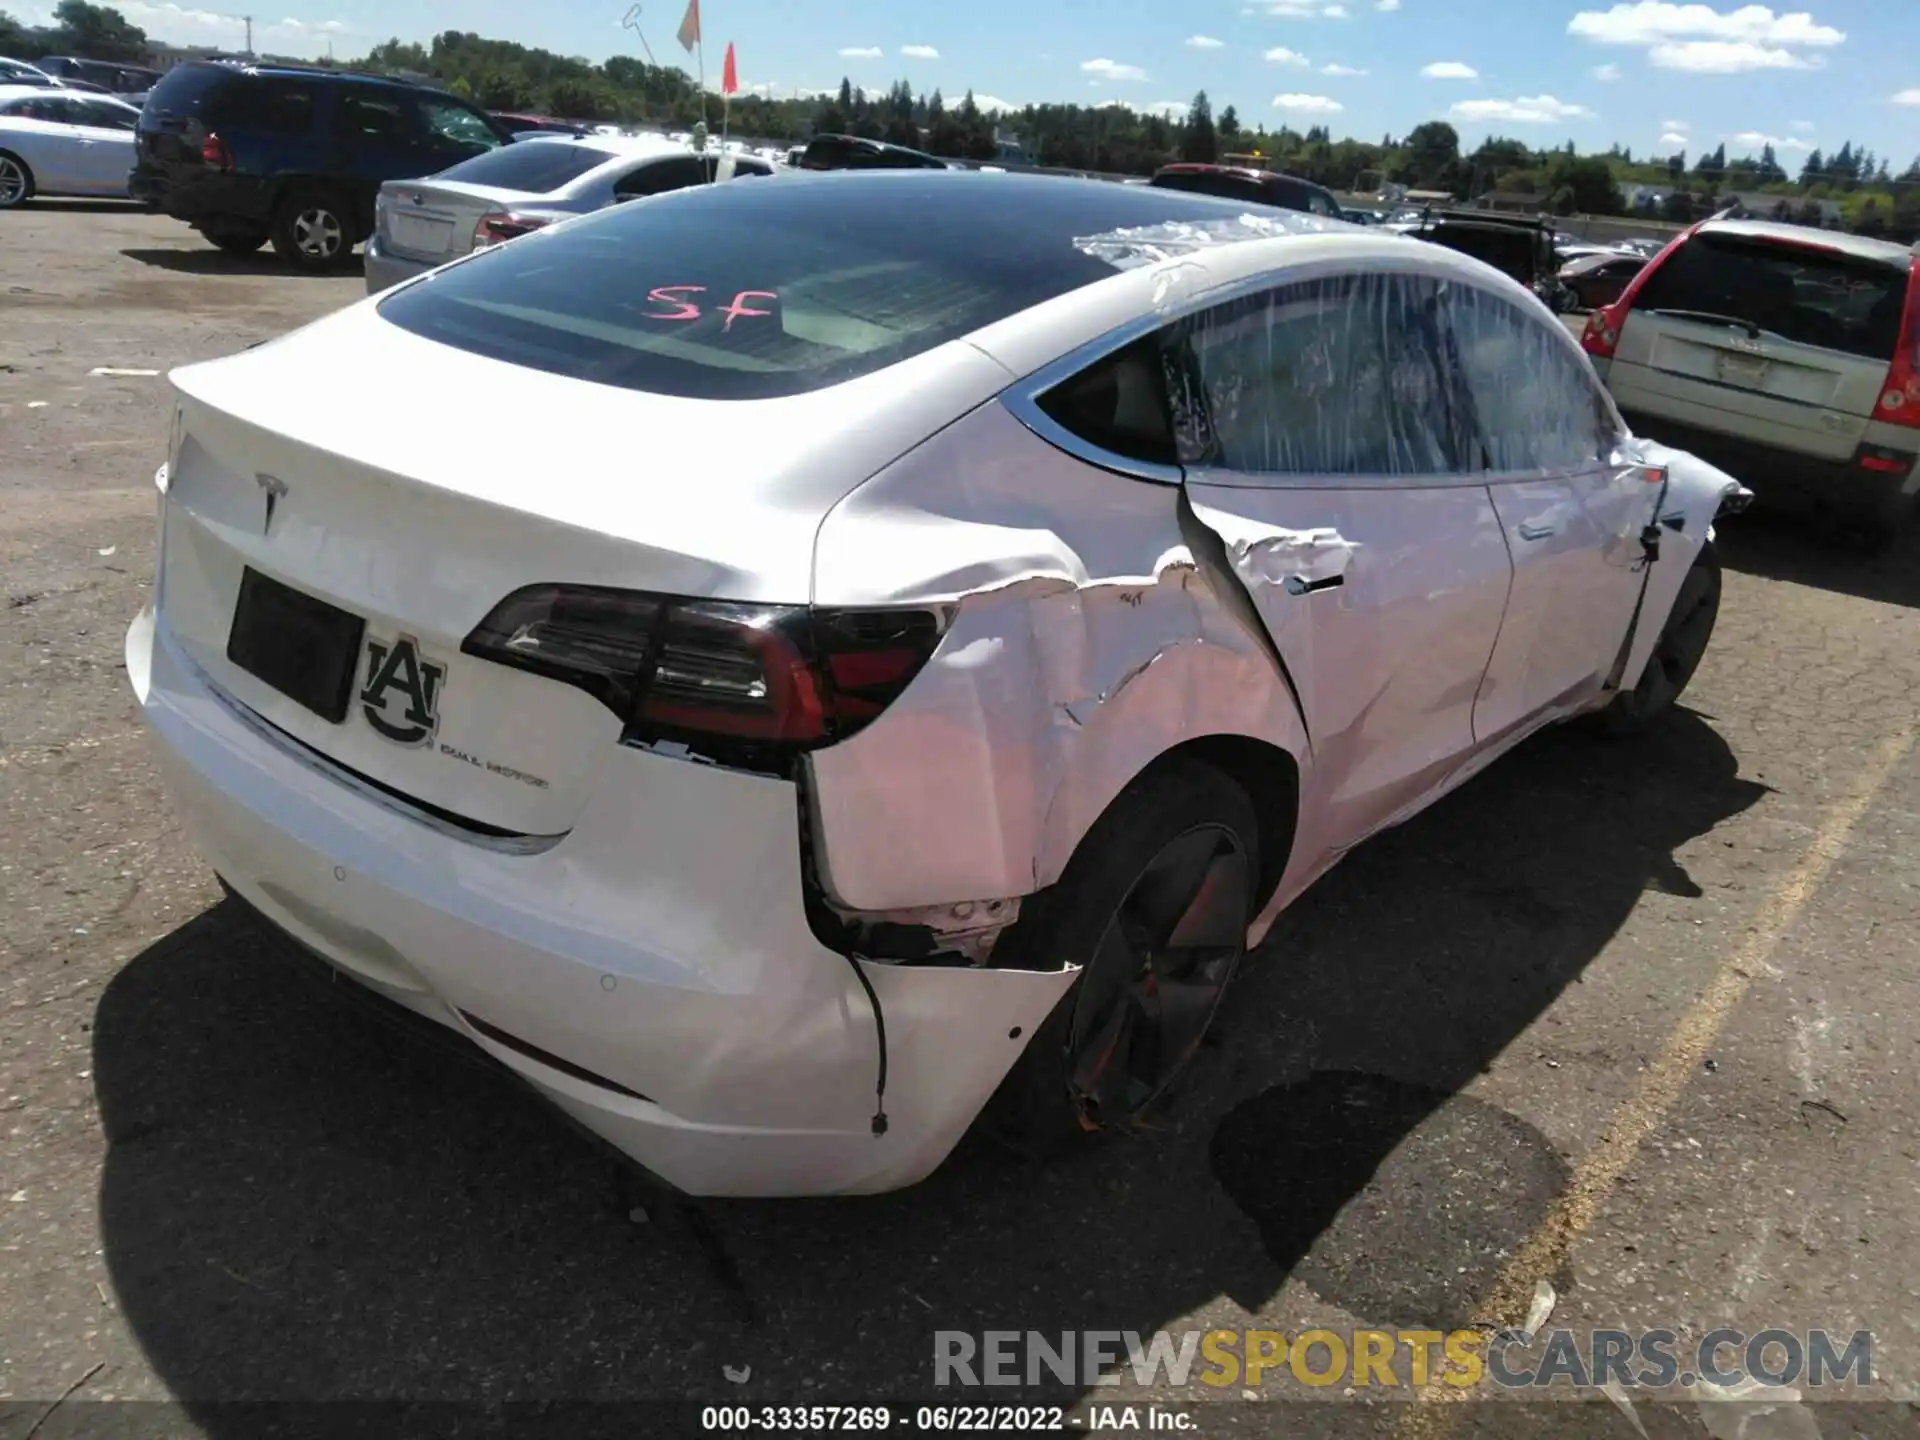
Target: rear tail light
1602,335
502,226
736,682
1900,395
214,152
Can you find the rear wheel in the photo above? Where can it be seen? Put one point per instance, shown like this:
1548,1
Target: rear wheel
313,229
16,181
1154,908
1676,654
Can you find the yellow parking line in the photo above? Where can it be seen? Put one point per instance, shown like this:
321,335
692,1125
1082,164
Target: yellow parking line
1598,1171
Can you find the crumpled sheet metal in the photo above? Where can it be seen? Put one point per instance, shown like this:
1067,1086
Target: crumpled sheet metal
1696,490
1078,654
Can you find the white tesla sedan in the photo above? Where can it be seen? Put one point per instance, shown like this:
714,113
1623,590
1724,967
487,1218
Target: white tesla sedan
777,665
60,142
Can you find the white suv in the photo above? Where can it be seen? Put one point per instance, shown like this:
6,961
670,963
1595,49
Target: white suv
1786,355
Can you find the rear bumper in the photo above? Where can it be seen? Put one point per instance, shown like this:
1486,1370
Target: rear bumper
385,269
202,198
652,973
1847,486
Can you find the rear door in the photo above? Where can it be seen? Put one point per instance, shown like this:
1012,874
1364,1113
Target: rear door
1327,456
1571,506
1777,342
105,130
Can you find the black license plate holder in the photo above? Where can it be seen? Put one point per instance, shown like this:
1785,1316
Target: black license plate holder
303,647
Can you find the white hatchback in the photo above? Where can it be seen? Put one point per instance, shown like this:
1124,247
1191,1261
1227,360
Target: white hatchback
779,664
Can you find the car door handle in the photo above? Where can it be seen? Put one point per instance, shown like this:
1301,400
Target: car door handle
1301,585
1536,532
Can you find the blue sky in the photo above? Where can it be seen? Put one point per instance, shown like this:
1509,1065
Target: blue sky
1649,74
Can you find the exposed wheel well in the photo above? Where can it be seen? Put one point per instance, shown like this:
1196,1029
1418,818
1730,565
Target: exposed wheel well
1271,779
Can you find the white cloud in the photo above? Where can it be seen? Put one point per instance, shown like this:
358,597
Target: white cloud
1297,10
1803,127
1386,4
1449,70
1908,97
861,52
1527,110
1727,57
184,25
1676,125
1204,42
1165,109
987,104
1673,140
1113,70
920,52
1341,71
1606,72
1280,55
1308,104
1755,140
1651,22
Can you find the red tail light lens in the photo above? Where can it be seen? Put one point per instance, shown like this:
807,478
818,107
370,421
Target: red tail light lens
1900,395
1602,334
501,226
214,152
736,682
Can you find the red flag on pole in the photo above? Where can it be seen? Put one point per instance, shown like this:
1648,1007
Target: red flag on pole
729,77
689,33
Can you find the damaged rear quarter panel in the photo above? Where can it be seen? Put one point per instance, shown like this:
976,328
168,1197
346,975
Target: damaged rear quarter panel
1087,642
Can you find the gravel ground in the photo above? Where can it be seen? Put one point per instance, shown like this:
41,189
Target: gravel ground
1632,1018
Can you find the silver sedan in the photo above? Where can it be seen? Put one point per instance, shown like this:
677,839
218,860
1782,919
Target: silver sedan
56,142
419,224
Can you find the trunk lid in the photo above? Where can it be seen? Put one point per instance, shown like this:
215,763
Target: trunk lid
343,463
434,220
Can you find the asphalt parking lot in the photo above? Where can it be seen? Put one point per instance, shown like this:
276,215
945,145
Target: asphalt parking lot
1635,1019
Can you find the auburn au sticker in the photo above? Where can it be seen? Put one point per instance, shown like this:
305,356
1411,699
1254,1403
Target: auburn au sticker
401,696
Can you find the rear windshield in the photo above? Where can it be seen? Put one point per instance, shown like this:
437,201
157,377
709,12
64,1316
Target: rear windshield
735,291
535,167
182,91
1812,297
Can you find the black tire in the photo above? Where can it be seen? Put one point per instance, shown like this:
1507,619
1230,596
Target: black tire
1106,1056
16,180
1684,635
237,242
313,230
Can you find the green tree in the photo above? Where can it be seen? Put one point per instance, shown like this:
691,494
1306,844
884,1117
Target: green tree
1431,157
1810,173
1228,126
96,32
1583,182
15,38
1712,169
1200,142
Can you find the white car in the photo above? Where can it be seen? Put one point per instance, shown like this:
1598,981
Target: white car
777,665
506,192
60,142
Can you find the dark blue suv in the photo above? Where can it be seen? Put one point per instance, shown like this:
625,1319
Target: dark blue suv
246,154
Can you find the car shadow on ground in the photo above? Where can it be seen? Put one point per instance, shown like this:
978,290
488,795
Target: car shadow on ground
1794,544
209,261
299,1202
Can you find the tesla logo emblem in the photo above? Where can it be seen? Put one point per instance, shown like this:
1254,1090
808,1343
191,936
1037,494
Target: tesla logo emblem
401,698
419,197
275,490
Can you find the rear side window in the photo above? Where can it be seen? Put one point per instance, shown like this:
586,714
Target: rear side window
456,124
1811,297
1119,404
184,91
535,167
367,115
1332,377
